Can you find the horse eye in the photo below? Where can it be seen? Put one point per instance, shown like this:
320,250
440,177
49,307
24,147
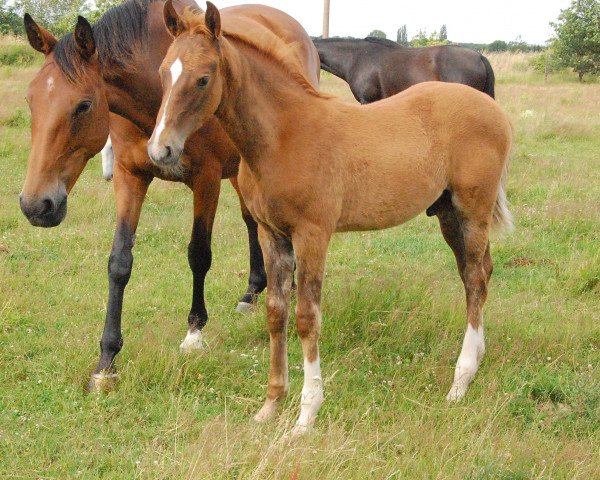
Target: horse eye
83,107
203,82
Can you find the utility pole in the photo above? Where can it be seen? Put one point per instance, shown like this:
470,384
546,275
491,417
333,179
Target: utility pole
326,19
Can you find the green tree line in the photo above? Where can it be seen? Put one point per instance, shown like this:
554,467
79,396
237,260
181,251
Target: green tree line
59,16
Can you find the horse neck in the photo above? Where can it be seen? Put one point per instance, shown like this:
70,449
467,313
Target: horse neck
261,103
337,56
134,91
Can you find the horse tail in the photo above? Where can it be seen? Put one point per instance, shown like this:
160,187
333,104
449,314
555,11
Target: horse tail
490,78
502,219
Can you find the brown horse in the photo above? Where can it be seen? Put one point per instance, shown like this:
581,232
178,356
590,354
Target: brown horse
113,66
312,165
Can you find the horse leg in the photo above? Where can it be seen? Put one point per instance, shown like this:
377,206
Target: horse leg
130,192
279,261
257,280
467,232
311,250
206,188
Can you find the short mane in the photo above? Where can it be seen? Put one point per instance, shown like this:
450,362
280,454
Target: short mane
382,41
267,45
119,33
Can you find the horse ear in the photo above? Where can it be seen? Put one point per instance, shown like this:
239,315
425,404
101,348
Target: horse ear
84,38
172,20
39,38
213,19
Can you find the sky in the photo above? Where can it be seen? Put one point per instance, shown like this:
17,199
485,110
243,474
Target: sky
473,21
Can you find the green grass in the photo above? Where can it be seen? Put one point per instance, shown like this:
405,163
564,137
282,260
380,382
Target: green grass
394,319
20,55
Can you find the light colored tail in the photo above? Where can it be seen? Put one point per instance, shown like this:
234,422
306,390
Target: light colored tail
502,219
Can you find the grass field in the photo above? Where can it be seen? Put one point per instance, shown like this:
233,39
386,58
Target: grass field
394,319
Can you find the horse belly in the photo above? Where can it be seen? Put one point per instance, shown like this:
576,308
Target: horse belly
392,196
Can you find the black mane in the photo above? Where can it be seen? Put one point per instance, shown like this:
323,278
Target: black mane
382,41
376,40
119,33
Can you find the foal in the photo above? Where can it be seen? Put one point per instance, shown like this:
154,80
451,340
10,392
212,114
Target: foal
313,165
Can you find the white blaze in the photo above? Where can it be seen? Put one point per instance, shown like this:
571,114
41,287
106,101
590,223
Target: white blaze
176,71
50,83
108,160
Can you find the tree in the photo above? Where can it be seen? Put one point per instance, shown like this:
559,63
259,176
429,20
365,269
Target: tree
10,21
60,16
577,42
518,45
443,33
101,7
497,46
402,37
377,34
421,39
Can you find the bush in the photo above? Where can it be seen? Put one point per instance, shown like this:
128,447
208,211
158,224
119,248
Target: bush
18,55
546,62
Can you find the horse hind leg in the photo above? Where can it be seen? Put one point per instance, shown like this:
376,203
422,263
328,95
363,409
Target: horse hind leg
466,230
257,280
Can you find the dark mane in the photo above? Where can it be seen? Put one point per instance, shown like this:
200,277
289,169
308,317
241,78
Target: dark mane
345,40
119,33
382,41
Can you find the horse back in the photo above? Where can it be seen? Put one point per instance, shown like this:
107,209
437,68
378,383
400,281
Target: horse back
404,67
404,151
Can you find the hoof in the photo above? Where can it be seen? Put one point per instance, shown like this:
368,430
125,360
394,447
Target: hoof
192,342
244,307
103,382
268,411
455,395
300,430
459,389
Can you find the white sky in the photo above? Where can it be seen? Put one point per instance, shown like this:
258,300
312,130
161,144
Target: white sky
467,20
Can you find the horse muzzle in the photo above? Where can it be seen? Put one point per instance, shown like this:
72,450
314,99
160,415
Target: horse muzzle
164,156
46,212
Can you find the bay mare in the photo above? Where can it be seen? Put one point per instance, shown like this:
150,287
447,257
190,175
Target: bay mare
313,165
113,67
376,68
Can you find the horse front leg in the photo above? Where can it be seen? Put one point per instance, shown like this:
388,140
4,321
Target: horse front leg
310,244
279,260
257,280
206,188
130,192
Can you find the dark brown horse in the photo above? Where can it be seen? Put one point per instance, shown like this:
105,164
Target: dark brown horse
377,68
113,67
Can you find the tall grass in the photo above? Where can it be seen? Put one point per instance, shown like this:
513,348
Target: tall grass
15,51
394,318
527,67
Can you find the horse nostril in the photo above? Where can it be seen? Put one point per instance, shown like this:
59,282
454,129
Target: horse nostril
169,152
47,206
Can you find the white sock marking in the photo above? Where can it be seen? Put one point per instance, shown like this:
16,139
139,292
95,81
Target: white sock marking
176,71
108,160
469,359
312,395
192,341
